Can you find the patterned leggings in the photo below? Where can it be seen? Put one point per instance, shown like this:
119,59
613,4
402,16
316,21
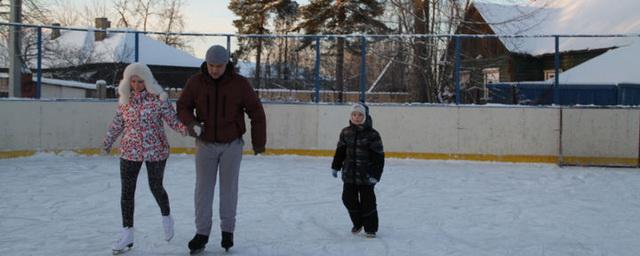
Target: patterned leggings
129,171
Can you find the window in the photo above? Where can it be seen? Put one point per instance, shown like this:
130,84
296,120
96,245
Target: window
465,77
550,74
491,75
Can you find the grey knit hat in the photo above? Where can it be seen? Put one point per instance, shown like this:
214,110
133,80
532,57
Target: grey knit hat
358,107
217,54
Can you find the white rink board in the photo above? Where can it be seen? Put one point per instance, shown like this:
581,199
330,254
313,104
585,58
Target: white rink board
423,129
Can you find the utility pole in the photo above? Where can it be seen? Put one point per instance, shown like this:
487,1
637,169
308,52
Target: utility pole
15,65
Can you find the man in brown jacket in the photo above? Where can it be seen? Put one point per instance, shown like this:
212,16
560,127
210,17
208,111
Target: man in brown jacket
220,98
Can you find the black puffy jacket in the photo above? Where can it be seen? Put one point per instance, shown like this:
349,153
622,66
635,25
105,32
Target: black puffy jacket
359,154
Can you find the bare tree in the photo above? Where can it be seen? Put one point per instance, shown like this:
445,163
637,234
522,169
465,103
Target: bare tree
173,21
33,11
145,9
429,59
426,17
123,12
65,13
145,15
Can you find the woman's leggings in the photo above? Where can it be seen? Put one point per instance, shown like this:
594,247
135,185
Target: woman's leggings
129,171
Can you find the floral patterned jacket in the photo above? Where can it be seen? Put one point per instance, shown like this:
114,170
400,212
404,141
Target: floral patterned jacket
140,120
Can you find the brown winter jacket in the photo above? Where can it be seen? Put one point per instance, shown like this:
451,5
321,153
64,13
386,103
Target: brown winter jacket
220,105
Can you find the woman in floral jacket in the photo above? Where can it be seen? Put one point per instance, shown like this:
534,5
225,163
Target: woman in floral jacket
142,107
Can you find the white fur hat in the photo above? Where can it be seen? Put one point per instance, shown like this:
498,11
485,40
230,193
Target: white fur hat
143,71
358,107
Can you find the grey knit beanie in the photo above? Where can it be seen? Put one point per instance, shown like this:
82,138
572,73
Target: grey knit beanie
217,54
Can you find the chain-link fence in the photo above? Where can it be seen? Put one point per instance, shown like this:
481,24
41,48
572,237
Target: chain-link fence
63,62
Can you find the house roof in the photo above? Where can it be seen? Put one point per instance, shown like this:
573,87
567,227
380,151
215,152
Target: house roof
616,66
79,47
58,82
562,17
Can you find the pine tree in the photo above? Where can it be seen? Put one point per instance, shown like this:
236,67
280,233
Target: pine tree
341,17
254,19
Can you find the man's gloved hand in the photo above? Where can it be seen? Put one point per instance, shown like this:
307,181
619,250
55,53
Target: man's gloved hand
373,180
334,173
194,129
258,151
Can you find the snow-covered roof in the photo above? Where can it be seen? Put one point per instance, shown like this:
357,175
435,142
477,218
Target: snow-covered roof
79,47
59,82
619,65
562,17
67,83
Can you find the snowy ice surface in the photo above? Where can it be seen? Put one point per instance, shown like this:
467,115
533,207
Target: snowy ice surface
290,205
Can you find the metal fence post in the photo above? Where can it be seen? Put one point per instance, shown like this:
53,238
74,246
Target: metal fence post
137,46
317,72
363,68
229,45
15,63
39,64
101,89
556,79
456,69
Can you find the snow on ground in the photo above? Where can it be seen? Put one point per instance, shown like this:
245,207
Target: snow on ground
290,205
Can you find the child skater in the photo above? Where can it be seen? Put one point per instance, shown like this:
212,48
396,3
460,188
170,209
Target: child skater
360,156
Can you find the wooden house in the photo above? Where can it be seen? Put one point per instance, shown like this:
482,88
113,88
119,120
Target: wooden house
514,59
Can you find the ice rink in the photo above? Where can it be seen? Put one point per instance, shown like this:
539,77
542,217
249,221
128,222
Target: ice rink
290,205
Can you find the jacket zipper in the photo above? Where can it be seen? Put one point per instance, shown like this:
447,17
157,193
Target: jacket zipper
224,107
355,157
215,114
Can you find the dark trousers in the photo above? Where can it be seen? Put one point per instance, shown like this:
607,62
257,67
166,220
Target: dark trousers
129,171
360,201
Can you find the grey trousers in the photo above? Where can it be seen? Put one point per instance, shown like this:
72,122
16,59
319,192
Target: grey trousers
211,159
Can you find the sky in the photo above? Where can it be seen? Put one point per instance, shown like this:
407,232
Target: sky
290,205
214,16
210,16
204,16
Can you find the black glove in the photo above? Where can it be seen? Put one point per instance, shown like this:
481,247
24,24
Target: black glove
194,129
257,151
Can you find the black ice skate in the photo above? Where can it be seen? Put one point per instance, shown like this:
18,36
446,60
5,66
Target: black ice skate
197,244
227,240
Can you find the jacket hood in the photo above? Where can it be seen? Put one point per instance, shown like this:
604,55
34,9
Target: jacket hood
143,71
368,122
229,72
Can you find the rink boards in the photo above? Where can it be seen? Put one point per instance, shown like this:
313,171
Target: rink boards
576,135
